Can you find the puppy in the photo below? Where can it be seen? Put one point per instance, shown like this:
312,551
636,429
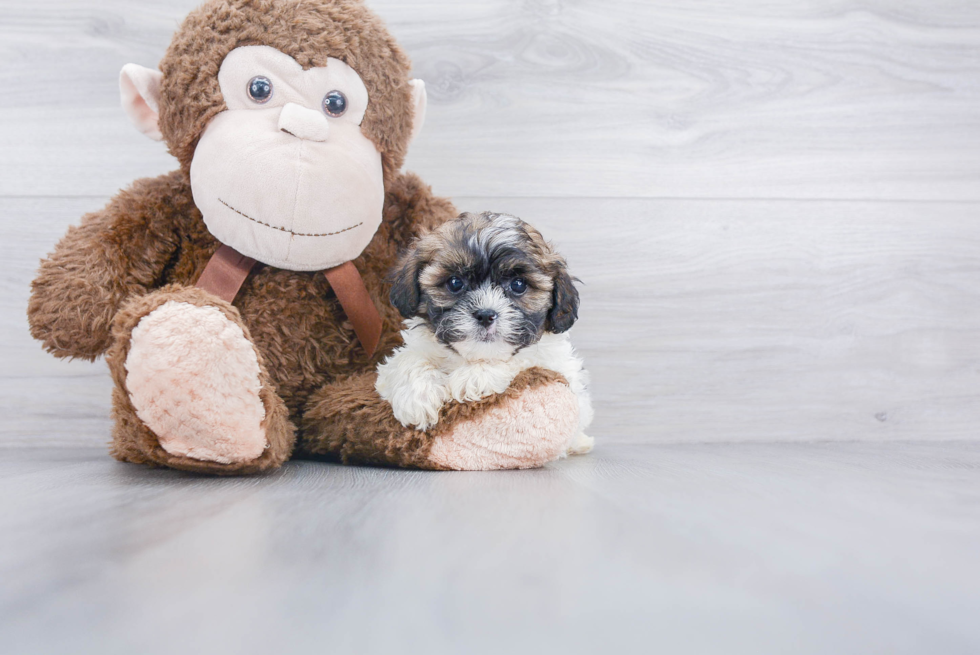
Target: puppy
485,297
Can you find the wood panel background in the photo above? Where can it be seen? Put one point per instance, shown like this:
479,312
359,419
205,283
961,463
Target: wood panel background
774,206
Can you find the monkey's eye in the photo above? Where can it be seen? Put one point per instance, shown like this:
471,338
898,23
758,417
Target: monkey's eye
518,286
335,103
260,89
455,284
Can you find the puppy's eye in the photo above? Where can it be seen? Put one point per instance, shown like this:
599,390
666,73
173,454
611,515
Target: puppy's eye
518,286
260,89
335,103
455,284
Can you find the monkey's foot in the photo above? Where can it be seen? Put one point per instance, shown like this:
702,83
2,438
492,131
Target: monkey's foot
528,425
527,428
193,379
191,390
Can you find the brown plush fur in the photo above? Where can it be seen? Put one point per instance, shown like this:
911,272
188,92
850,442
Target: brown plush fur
150,245
347,423
115,253
152,235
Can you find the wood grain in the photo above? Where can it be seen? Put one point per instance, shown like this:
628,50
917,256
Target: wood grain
773,320
702,320
700,549
856,100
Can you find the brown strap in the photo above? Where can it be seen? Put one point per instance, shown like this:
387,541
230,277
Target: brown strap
225,274
349,287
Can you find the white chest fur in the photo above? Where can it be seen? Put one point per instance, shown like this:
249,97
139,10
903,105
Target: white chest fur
424,374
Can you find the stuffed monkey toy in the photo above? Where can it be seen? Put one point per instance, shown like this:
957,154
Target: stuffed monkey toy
242,300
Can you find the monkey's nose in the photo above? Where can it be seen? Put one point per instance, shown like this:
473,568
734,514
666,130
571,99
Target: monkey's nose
485,317
303,123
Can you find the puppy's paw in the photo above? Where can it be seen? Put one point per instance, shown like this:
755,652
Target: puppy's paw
477,380
416,395
419,413
581,444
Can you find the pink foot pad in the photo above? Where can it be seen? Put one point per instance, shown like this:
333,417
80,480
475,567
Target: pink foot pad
193,378
528,431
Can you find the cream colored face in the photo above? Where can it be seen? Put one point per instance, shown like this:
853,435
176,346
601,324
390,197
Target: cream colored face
283,176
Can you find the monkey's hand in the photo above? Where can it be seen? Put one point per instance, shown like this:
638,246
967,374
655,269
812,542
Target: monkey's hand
414,388
115,253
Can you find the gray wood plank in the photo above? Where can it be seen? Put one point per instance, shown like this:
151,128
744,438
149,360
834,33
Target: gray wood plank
709,548
850,99
701,320
43,399
773,320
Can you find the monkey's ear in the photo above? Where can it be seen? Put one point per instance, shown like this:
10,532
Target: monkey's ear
564,303
139,88
419,102
405,290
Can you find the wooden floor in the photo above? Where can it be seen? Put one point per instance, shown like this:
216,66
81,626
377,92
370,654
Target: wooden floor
775,211
687,548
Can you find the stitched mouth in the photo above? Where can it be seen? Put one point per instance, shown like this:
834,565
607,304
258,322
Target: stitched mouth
282,229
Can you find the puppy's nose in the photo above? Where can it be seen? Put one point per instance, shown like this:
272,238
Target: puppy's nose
486,317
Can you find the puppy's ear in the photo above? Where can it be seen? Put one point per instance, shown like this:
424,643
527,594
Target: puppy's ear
405,290
564,302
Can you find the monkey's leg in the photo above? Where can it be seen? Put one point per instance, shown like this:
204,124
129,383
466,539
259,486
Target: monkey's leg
192,391
530,424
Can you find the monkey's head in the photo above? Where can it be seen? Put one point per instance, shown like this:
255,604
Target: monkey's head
290,118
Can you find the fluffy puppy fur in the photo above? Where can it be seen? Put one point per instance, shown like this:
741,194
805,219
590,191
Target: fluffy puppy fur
485,297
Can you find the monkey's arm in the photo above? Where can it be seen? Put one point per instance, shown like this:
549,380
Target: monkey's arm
113,254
